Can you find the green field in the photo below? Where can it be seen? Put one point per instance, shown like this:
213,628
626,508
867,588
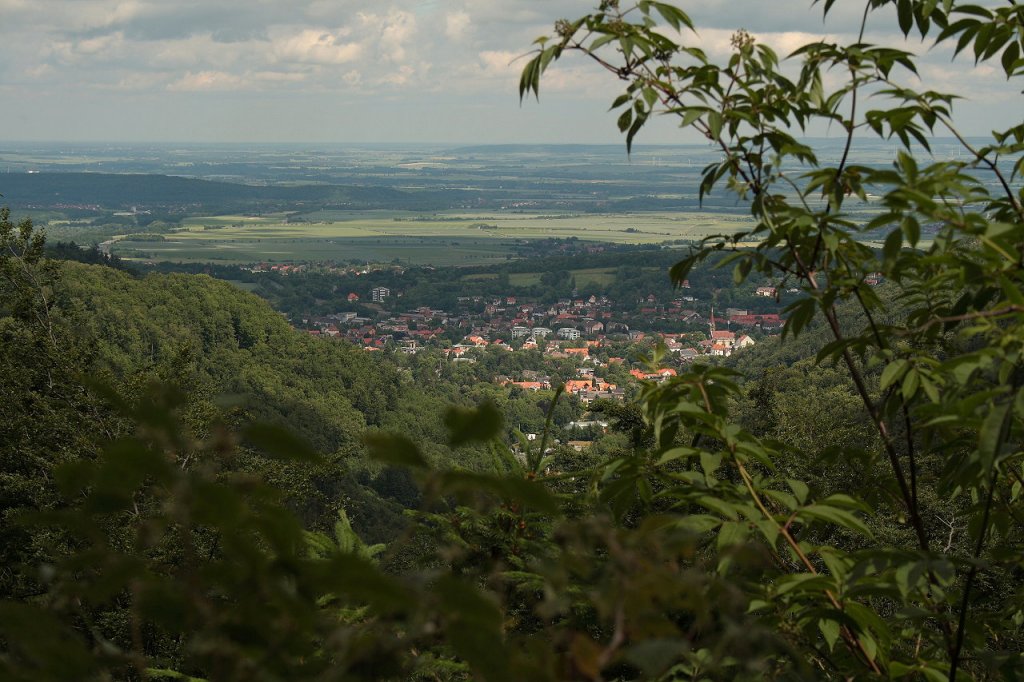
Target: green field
451,238
596,276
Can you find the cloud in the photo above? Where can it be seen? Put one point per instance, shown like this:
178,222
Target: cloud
388,35
456,25
207,80
358,50
316,47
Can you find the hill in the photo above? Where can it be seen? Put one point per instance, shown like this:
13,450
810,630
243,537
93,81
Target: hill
124,191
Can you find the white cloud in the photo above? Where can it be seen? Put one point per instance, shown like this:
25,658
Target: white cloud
389,35
207,80
316,47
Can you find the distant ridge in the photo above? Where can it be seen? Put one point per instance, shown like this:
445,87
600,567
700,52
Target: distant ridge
123,191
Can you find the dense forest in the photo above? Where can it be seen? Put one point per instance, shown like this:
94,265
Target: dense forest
191,489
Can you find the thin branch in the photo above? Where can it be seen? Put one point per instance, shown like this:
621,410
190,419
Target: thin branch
993,166
876,417
971,575
848,637
981,314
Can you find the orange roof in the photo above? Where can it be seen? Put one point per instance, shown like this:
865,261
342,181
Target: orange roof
585,352
529,385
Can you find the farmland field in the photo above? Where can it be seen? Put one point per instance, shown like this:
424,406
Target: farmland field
585,277
420,204
448,238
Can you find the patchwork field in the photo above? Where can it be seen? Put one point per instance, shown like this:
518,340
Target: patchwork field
585,277
450,238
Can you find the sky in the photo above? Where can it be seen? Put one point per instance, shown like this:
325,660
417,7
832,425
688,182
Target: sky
335,71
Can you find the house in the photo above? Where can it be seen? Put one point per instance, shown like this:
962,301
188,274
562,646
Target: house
688,354
577,385
379,293
540,332
519,332
768,292
723,337
527,385
744,342
569,333
353,297
578,352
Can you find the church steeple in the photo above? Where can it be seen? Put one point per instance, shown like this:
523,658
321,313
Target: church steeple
712,322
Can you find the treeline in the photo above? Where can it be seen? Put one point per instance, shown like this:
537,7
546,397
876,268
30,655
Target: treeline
634,273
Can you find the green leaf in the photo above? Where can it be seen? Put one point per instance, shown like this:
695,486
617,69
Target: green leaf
709,462
799,489
830,631
714,504
892,372
513,489
674,16
714,121
840,517
699,523
473,425
991,434
625,120
620,100
905,15
393,449
732,533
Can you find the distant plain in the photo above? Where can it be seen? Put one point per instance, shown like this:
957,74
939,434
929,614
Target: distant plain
449,238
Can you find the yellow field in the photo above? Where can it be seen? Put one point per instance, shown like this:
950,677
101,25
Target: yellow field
639,228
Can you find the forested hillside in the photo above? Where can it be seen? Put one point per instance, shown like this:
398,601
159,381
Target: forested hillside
234,361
